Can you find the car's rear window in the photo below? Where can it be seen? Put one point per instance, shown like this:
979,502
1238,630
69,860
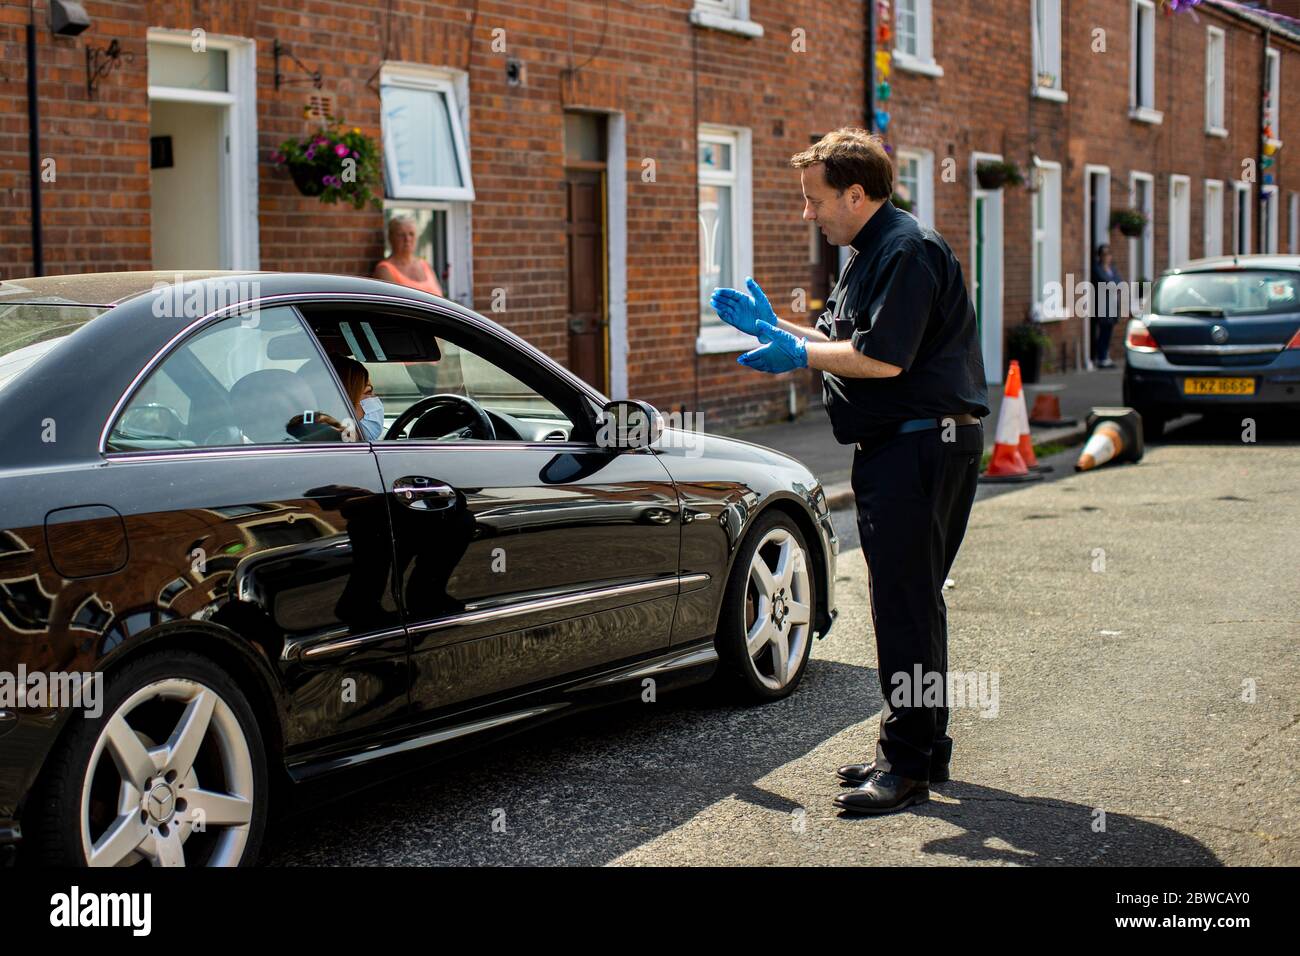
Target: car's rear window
1229,293
29,331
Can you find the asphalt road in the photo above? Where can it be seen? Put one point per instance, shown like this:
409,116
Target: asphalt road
1125,612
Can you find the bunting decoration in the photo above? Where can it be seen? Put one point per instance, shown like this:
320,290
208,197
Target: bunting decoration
884,64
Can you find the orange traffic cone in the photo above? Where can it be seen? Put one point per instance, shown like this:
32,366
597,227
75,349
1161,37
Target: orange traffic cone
1025,443
1015,394
1007,462
1116,436
1105,443
1046,412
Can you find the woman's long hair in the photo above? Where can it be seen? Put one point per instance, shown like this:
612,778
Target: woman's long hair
353,375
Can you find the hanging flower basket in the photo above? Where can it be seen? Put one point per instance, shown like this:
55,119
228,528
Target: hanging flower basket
994,174
333,164
1130,222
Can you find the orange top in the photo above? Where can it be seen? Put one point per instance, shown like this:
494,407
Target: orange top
390,273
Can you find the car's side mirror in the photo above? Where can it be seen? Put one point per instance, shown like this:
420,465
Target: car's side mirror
627,425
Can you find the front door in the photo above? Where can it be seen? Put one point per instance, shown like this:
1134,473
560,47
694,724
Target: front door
585,229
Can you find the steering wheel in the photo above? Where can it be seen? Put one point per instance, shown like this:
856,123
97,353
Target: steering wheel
480,425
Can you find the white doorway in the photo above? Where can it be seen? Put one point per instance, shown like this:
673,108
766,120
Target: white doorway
1096,232
986,268
203,151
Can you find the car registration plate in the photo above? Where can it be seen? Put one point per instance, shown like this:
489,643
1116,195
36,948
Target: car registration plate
1218,386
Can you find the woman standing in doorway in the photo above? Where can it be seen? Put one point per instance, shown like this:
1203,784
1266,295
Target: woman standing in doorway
1104,302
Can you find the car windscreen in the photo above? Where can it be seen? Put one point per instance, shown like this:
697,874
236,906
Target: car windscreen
29,331
1229,293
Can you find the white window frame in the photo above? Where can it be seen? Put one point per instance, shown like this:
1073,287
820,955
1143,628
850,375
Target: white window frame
923,60
1212,219
1045,238
1241,231
238,174
1147,267
1273,115
1268,196
1216,82
729,16
1142,98
923,201
1180,221
1045,17
1293,224
720,337
460,284
454,85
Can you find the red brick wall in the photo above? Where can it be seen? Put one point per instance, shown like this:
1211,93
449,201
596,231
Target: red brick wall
647,62
666,76
983,103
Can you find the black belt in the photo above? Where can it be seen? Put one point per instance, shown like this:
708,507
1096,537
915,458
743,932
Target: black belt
925,424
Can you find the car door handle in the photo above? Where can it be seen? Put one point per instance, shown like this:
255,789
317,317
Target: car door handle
424,494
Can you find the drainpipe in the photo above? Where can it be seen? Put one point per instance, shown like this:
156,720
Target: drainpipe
34,151
1259,157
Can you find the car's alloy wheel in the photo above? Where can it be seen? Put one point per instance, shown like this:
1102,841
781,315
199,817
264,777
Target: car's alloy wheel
767,619
172,773
777,608
156,796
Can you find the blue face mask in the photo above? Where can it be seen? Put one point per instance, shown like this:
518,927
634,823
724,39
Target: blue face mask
372,425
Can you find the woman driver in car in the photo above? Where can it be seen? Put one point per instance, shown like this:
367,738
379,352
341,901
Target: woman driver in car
367,406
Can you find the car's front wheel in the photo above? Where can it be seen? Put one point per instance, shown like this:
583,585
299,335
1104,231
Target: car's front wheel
766,625
171,773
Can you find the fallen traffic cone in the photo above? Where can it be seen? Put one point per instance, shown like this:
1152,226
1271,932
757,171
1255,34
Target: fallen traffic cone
1007,463
1116,436
1046,412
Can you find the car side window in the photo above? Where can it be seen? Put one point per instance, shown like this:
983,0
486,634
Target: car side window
255,379
414,379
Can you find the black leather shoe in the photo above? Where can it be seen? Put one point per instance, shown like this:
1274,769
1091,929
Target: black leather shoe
883,793
855,774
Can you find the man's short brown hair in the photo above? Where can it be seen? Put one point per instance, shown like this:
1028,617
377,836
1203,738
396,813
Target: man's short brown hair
851,156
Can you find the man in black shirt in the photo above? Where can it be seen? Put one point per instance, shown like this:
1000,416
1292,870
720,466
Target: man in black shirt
903,381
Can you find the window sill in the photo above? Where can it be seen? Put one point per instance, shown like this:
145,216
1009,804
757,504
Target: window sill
905,61
723,339
1217,131
1145,114
717,21
1051,93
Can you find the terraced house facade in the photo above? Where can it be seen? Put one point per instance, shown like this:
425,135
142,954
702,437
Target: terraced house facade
585,171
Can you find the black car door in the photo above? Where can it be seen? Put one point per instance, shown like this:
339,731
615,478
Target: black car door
244,508
519,558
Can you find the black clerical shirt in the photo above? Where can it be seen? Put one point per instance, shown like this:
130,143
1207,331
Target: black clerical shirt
901,299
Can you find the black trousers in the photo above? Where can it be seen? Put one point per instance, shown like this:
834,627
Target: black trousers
914,497
1101,333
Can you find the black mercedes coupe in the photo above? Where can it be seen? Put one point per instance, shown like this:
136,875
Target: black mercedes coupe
257,529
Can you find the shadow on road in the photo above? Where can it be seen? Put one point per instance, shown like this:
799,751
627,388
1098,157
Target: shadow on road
1002,827
1271,428
586,789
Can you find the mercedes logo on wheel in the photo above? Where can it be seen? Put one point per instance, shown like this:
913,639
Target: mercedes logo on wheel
1219,334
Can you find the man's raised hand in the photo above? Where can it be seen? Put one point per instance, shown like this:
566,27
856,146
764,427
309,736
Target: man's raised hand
743,311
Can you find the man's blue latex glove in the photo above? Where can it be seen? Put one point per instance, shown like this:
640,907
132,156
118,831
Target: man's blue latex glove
741,310
782,353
